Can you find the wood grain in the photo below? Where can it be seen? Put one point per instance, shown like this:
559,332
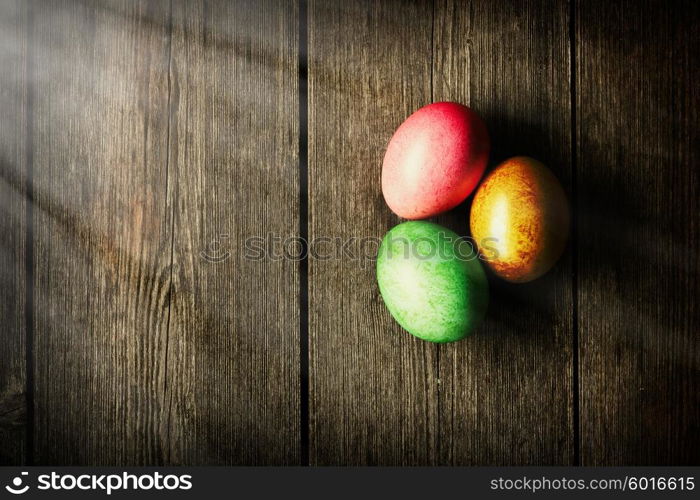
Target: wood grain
102,232
158,132
234,329
506,393
373,394
13,230
637,136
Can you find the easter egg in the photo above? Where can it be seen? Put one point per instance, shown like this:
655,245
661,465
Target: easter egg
431,281
434,160
520,219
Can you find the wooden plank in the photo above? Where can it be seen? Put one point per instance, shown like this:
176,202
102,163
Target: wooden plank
373,387
506,393
102,232
234,339
13,230
637,112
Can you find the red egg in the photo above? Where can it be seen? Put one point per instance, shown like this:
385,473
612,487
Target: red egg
434,160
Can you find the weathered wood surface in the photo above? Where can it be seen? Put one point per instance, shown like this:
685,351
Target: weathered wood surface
638,98
13,230
102,232
506,394
142,143
158,132
378,395
373,392
234,325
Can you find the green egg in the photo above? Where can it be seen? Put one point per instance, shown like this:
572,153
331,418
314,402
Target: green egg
431,281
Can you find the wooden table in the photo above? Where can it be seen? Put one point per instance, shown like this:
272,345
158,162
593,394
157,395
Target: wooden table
144,142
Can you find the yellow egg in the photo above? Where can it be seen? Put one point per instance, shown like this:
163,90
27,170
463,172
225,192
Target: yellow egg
520,219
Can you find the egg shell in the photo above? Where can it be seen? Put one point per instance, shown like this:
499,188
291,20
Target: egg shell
434,160
431,281
520,219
